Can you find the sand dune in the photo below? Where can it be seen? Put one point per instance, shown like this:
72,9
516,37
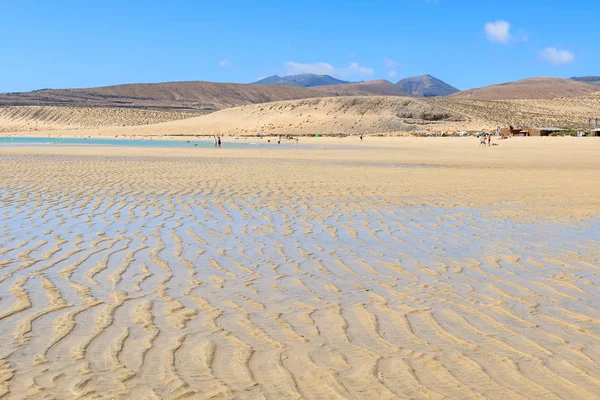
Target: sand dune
386,115
44,118
340,115
306,273
533,88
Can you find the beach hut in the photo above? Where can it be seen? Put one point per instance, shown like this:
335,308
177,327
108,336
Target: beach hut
506,132
542,131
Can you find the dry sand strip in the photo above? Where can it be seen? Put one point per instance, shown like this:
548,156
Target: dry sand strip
301,273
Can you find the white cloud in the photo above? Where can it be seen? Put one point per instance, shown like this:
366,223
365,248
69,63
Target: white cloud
498,32
224,63
323,68
360,70
556,56
320,68
391,66
389,63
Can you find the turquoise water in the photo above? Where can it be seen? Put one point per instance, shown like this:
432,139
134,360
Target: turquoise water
30,141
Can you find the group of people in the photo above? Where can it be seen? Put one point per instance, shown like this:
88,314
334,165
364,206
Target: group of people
485,139
216,141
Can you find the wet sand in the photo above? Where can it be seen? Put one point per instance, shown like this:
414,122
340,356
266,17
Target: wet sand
414,269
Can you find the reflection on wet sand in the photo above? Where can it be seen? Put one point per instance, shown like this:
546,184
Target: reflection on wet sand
141,278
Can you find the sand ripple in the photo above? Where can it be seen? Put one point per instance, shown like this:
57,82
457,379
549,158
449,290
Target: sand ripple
134,278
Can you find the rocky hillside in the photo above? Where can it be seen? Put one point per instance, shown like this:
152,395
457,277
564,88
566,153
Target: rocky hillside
425,86
533,88
194,95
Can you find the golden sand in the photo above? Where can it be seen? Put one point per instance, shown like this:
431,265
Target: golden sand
28,120
403,268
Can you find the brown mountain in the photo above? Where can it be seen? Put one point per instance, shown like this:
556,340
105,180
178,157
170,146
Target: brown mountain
377,87
533,88
194,95
592,80
303,80
425,86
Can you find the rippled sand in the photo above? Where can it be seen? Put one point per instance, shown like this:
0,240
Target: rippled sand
288,277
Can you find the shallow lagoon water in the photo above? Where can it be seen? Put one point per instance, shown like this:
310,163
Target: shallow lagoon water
36,141
125,284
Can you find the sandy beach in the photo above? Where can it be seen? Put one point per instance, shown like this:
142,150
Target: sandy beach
393,268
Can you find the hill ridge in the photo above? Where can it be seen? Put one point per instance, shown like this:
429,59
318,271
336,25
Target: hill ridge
529,88
192,95
377,87
303,80
425,86
592,80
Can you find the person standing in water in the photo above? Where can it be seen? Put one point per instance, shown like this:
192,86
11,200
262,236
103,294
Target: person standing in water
219,141
279,139
215,141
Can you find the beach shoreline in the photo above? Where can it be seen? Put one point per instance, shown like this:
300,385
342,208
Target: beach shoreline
535,173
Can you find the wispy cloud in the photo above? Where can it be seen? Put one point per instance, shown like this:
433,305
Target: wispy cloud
323,68
498,32
360,70
224,63
556,56
320,68
389,63
391,66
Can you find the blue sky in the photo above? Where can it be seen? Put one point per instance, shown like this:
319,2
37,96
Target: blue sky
68,43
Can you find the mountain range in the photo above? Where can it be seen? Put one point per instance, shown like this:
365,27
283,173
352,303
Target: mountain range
421,86
212,96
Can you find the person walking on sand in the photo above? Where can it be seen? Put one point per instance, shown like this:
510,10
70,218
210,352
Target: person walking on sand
296,140
219,141
489,140
215,141
279,139
360,138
